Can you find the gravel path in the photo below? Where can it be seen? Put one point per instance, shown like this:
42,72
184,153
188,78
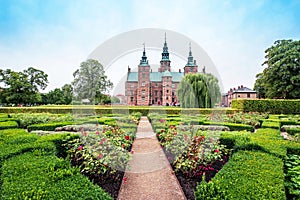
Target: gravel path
149,174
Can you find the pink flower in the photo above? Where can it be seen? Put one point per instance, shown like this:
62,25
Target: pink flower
97,124
80,148
84,133
101,142
132,151
97,133
100,156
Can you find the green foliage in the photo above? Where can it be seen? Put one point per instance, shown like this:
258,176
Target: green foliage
22,87
26,119
270,124
267,105
198,91
292,177
47,126
292,129
247,175
8,124
281,77
34,175
90,82
232,126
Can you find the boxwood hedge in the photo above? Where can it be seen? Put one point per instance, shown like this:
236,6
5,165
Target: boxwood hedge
247,175
34,175
274,106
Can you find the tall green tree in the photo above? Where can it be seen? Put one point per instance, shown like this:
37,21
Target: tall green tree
199,91
281,77
22,87
90,82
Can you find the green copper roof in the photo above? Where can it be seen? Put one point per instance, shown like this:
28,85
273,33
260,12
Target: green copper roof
132,76
166,73
144,61
190,58
177,76
155,76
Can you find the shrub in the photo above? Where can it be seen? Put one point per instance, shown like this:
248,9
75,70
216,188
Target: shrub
293,129
274,106
34,175
247,175
48,126
8,125
270,124
292,176
232,126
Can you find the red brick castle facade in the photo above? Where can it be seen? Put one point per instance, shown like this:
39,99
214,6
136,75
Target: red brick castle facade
156,88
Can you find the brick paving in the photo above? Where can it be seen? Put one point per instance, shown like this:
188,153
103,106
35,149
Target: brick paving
149,174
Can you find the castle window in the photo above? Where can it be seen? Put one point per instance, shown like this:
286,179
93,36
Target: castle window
144,69
143,99
143,75
173,85
167,91
155,99
131,99
143,92
156,92
143,83
167,98
156,84
173,93
132,85
248,95
191,69
131,92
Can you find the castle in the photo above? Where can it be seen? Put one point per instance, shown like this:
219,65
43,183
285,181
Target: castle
145,87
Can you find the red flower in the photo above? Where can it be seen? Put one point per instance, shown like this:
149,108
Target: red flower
123,145
80,148
132,151
162,131
127,137
97,133
124,180
216,150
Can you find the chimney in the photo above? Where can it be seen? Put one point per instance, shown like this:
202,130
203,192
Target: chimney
179,70
242,86
233,88
129,68
239,87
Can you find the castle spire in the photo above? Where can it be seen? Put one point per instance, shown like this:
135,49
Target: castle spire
190,58
165,53
144,60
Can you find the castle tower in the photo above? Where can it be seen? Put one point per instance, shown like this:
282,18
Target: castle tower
143,81
165,61
191,66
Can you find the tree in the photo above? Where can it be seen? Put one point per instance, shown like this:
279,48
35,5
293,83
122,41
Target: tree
90,82
22,87
281,77
198,91
67,91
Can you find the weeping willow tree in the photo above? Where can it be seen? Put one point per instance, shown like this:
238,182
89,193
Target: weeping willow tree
198,91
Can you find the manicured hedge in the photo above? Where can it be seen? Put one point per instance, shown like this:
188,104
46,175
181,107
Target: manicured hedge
100,110
8,124
48,126
231,126
34,175
247,175
274,106
270,124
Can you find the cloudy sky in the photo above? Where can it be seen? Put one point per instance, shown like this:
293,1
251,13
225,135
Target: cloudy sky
56,36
